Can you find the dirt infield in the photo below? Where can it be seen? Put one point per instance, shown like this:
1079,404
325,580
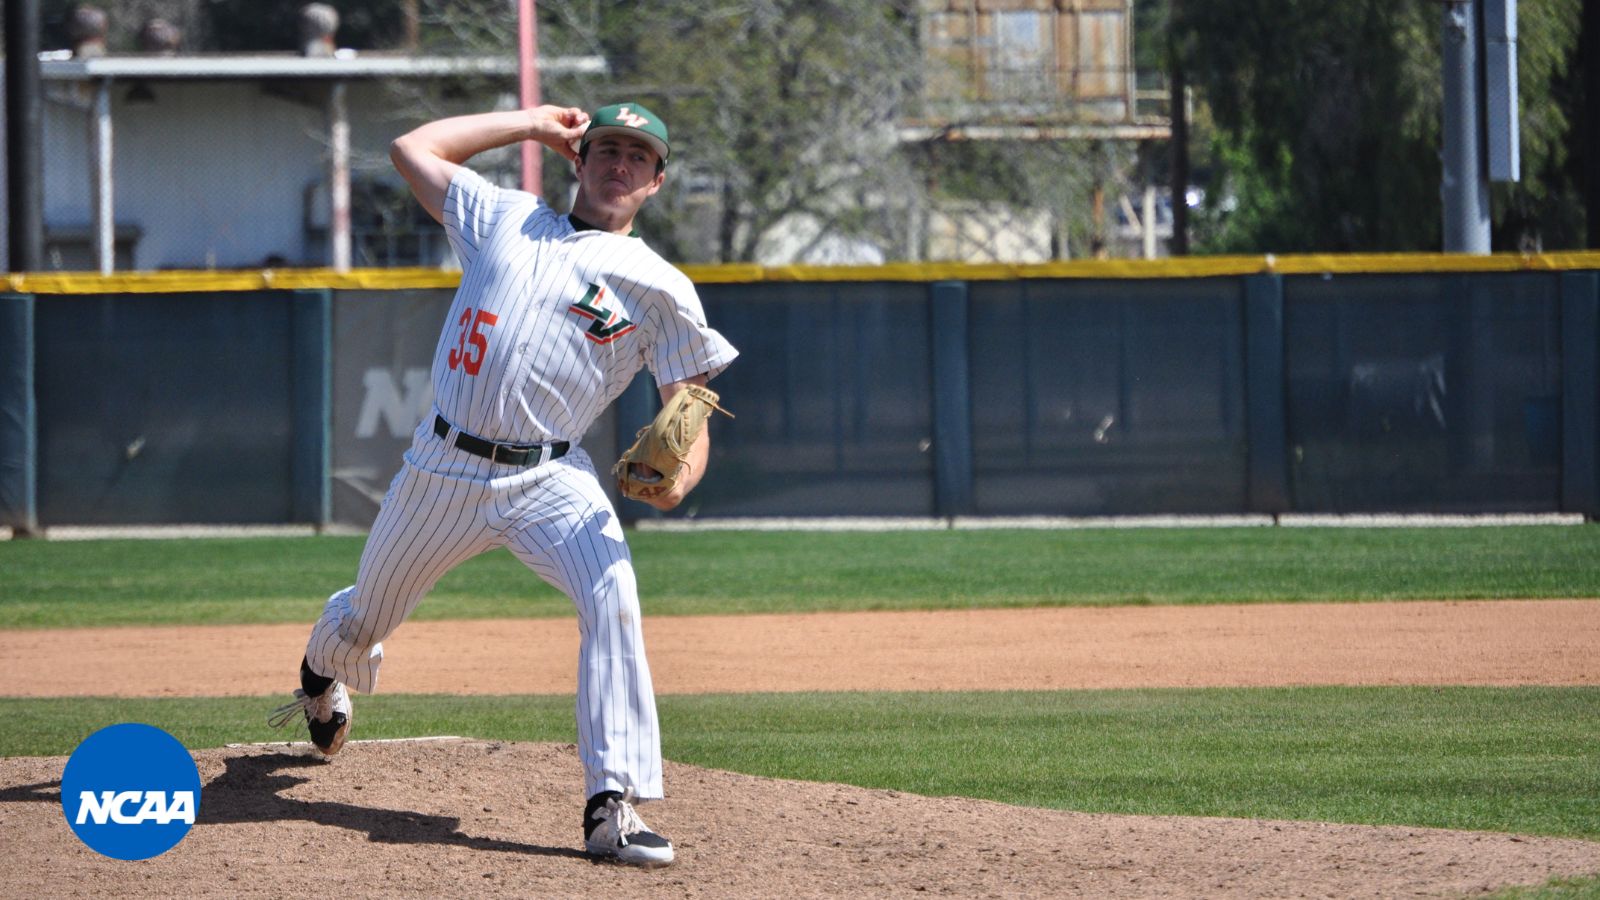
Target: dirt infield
1477,642
476,818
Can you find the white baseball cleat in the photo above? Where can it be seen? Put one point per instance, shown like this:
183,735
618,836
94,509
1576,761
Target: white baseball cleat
327,716
611,828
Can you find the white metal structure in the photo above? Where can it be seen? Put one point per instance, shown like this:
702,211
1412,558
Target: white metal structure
218,106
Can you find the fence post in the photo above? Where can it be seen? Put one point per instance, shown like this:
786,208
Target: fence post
952,400
311,405
19,418
1267,472
1580,392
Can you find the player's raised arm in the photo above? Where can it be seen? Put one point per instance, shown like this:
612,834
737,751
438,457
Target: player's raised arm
428,157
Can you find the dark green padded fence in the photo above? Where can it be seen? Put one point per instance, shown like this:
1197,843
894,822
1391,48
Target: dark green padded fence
1433,391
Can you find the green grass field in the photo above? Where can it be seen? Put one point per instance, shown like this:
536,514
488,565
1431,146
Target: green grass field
1501,759
67,584
1513,759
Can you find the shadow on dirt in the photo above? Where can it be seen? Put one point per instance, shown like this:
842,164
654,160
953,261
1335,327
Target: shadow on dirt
250,788
39,792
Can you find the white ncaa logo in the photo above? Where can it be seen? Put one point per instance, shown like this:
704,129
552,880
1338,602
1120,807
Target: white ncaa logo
153,807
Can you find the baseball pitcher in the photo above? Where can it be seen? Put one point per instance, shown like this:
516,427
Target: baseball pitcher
554,316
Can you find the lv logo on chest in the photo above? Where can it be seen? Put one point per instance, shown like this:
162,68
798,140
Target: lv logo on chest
607,321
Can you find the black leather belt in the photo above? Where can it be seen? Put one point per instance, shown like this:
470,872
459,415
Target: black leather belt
510,454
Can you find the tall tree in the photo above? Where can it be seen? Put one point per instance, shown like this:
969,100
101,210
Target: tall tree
782,112
786,110
1545,209
1328,122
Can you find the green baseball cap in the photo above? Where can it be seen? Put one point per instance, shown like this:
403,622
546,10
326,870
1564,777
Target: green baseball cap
633,120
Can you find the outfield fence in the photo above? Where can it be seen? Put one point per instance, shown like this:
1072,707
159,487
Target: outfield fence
1199,387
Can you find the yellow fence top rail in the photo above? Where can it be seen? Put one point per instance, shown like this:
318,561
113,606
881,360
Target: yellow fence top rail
212,281
177,282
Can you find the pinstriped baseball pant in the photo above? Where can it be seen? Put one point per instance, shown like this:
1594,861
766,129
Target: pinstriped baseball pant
446,506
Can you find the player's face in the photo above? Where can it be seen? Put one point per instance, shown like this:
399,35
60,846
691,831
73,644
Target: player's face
619,172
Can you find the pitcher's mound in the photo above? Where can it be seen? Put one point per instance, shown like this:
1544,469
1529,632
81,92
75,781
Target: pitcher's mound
458,818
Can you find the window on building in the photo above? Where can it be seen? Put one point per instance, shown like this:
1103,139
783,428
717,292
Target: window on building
1020,64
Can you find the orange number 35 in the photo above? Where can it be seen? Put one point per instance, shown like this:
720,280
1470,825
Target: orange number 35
471,359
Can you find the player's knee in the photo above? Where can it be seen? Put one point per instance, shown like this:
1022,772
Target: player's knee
612,593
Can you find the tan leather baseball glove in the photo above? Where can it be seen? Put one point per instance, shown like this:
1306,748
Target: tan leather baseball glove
651,467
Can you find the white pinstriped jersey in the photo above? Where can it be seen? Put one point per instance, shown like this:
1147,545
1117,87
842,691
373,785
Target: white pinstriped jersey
550,324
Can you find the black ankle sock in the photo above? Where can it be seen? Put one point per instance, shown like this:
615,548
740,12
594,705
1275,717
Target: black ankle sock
313,684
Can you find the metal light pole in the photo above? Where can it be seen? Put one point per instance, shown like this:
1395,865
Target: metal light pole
1465,186
528,84
24,138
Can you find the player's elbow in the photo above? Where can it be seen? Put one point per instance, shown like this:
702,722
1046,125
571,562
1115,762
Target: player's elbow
427,176
402,155
413,155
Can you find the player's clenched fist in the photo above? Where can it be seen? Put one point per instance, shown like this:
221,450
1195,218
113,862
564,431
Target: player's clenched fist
558,127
